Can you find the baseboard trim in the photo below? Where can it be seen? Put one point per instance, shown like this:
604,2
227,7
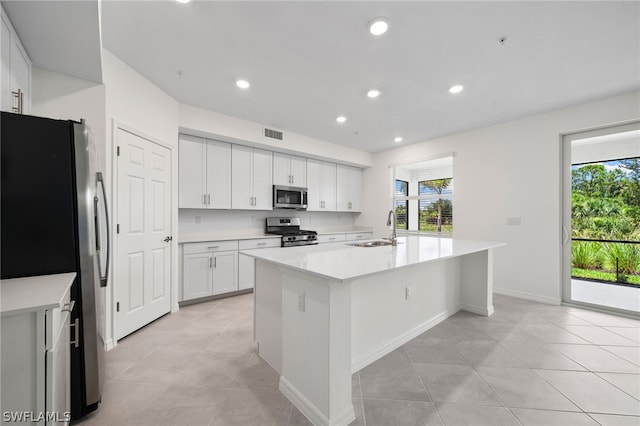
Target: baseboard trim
527,296
108,345
310,411
389,346
480,310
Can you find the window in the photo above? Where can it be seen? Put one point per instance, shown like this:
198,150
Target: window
401,207
436,205
423,196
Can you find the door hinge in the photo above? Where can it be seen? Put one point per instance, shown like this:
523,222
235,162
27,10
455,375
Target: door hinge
117,228
118,151
117,306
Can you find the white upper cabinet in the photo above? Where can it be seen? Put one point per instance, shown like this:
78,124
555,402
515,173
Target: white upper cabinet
205,173
289,170
251,178
349,188
15,79
321,182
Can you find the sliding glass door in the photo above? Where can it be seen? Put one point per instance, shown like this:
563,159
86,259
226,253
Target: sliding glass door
601,218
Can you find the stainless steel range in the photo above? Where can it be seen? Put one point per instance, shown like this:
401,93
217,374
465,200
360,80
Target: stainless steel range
289,228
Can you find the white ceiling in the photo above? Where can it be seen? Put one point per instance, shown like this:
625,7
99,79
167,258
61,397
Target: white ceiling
311,61
61,36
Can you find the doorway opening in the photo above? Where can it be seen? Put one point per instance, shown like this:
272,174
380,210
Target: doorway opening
602,218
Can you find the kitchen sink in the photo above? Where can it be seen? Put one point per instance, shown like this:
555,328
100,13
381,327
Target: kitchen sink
376,243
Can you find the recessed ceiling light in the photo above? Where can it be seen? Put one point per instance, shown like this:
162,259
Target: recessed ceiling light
456,89
341,119
378,26
183,1
243,84
373,93
397,139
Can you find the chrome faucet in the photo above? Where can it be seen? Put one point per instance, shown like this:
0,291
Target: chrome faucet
393,237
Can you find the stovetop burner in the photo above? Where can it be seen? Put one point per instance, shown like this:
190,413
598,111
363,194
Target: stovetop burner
289,229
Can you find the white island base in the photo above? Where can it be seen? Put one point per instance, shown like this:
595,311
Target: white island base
324,312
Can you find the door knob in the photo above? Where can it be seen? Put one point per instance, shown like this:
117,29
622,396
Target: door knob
166,240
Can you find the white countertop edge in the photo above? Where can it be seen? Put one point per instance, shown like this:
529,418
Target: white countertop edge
201,238
260,254
30,294
229,237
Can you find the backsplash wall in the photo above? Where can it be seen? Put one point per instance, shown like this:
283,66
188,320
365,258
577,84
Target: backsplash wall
192,221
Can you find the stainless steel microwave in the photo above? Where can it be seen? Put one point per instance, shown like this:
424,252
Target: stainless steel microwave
289,197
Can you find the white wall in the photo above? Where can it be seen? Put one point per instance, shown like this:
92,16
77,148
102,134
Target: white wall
201,122
64,97
507,170
133,101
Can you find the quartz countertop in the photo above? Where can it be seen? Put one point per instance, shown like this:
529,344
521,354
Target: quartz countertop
342,262
199,237
28,294
202,237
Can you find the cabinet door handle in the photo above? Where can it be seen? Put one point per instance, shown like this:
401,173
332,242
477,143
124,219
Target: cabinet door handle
204,199
215,262
210,264
76,333
358,236
331,239
209,199
68,307
262,244
213,247
19,96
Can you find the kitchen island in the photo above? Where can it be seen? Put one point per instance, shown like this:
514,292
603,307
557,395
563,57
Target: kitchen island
323,312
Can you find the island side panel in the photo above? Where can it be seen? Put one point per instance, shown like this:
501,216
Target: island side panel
316,342
477,282
391,308
268,313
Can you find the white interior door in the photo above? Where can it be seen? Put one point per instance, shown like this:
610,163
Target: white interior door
142,288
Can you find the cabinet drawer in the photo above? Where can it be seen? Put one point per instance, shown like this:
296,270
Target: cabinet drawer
210,246
360,236
331,238
259,243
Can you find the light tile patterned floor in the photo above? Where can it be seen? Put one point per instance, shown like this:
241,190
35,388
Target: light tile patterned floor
528,364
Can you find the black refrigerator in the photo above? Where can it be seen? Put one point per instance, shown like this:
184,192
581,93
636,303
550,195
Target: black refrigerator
53,207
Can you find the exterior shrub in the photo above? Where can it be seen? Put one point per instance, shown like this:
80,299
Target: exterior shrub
586,255
627,255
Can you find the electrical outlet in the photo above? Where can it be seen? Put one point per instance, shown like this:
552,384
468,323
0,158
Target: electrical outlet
408,293
514,221
301,302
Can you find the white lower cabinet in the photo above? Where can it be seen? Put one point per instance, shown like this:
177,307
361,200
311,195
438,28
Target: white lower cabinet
334,238
35,359
331,238
246,264
197,276
209,268
246,271
215,267
359,236
225,272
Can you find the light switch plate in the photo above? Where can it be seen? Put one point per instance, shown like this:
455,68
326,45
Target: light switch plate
514,221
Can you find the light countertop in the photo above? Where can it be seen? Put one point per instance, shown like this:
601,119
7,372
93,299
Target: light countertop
199,237
340,261
19,295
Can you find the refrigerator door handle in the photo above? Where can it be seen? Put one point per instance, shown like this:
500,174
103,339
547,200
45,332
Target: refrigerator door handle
103,278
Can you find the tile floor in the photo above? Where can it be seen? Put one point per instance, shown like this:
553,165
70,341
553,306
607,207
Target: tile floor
528,364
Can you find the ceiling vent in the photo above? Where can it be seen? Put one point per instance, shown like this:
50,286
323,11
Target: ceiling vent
273,134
